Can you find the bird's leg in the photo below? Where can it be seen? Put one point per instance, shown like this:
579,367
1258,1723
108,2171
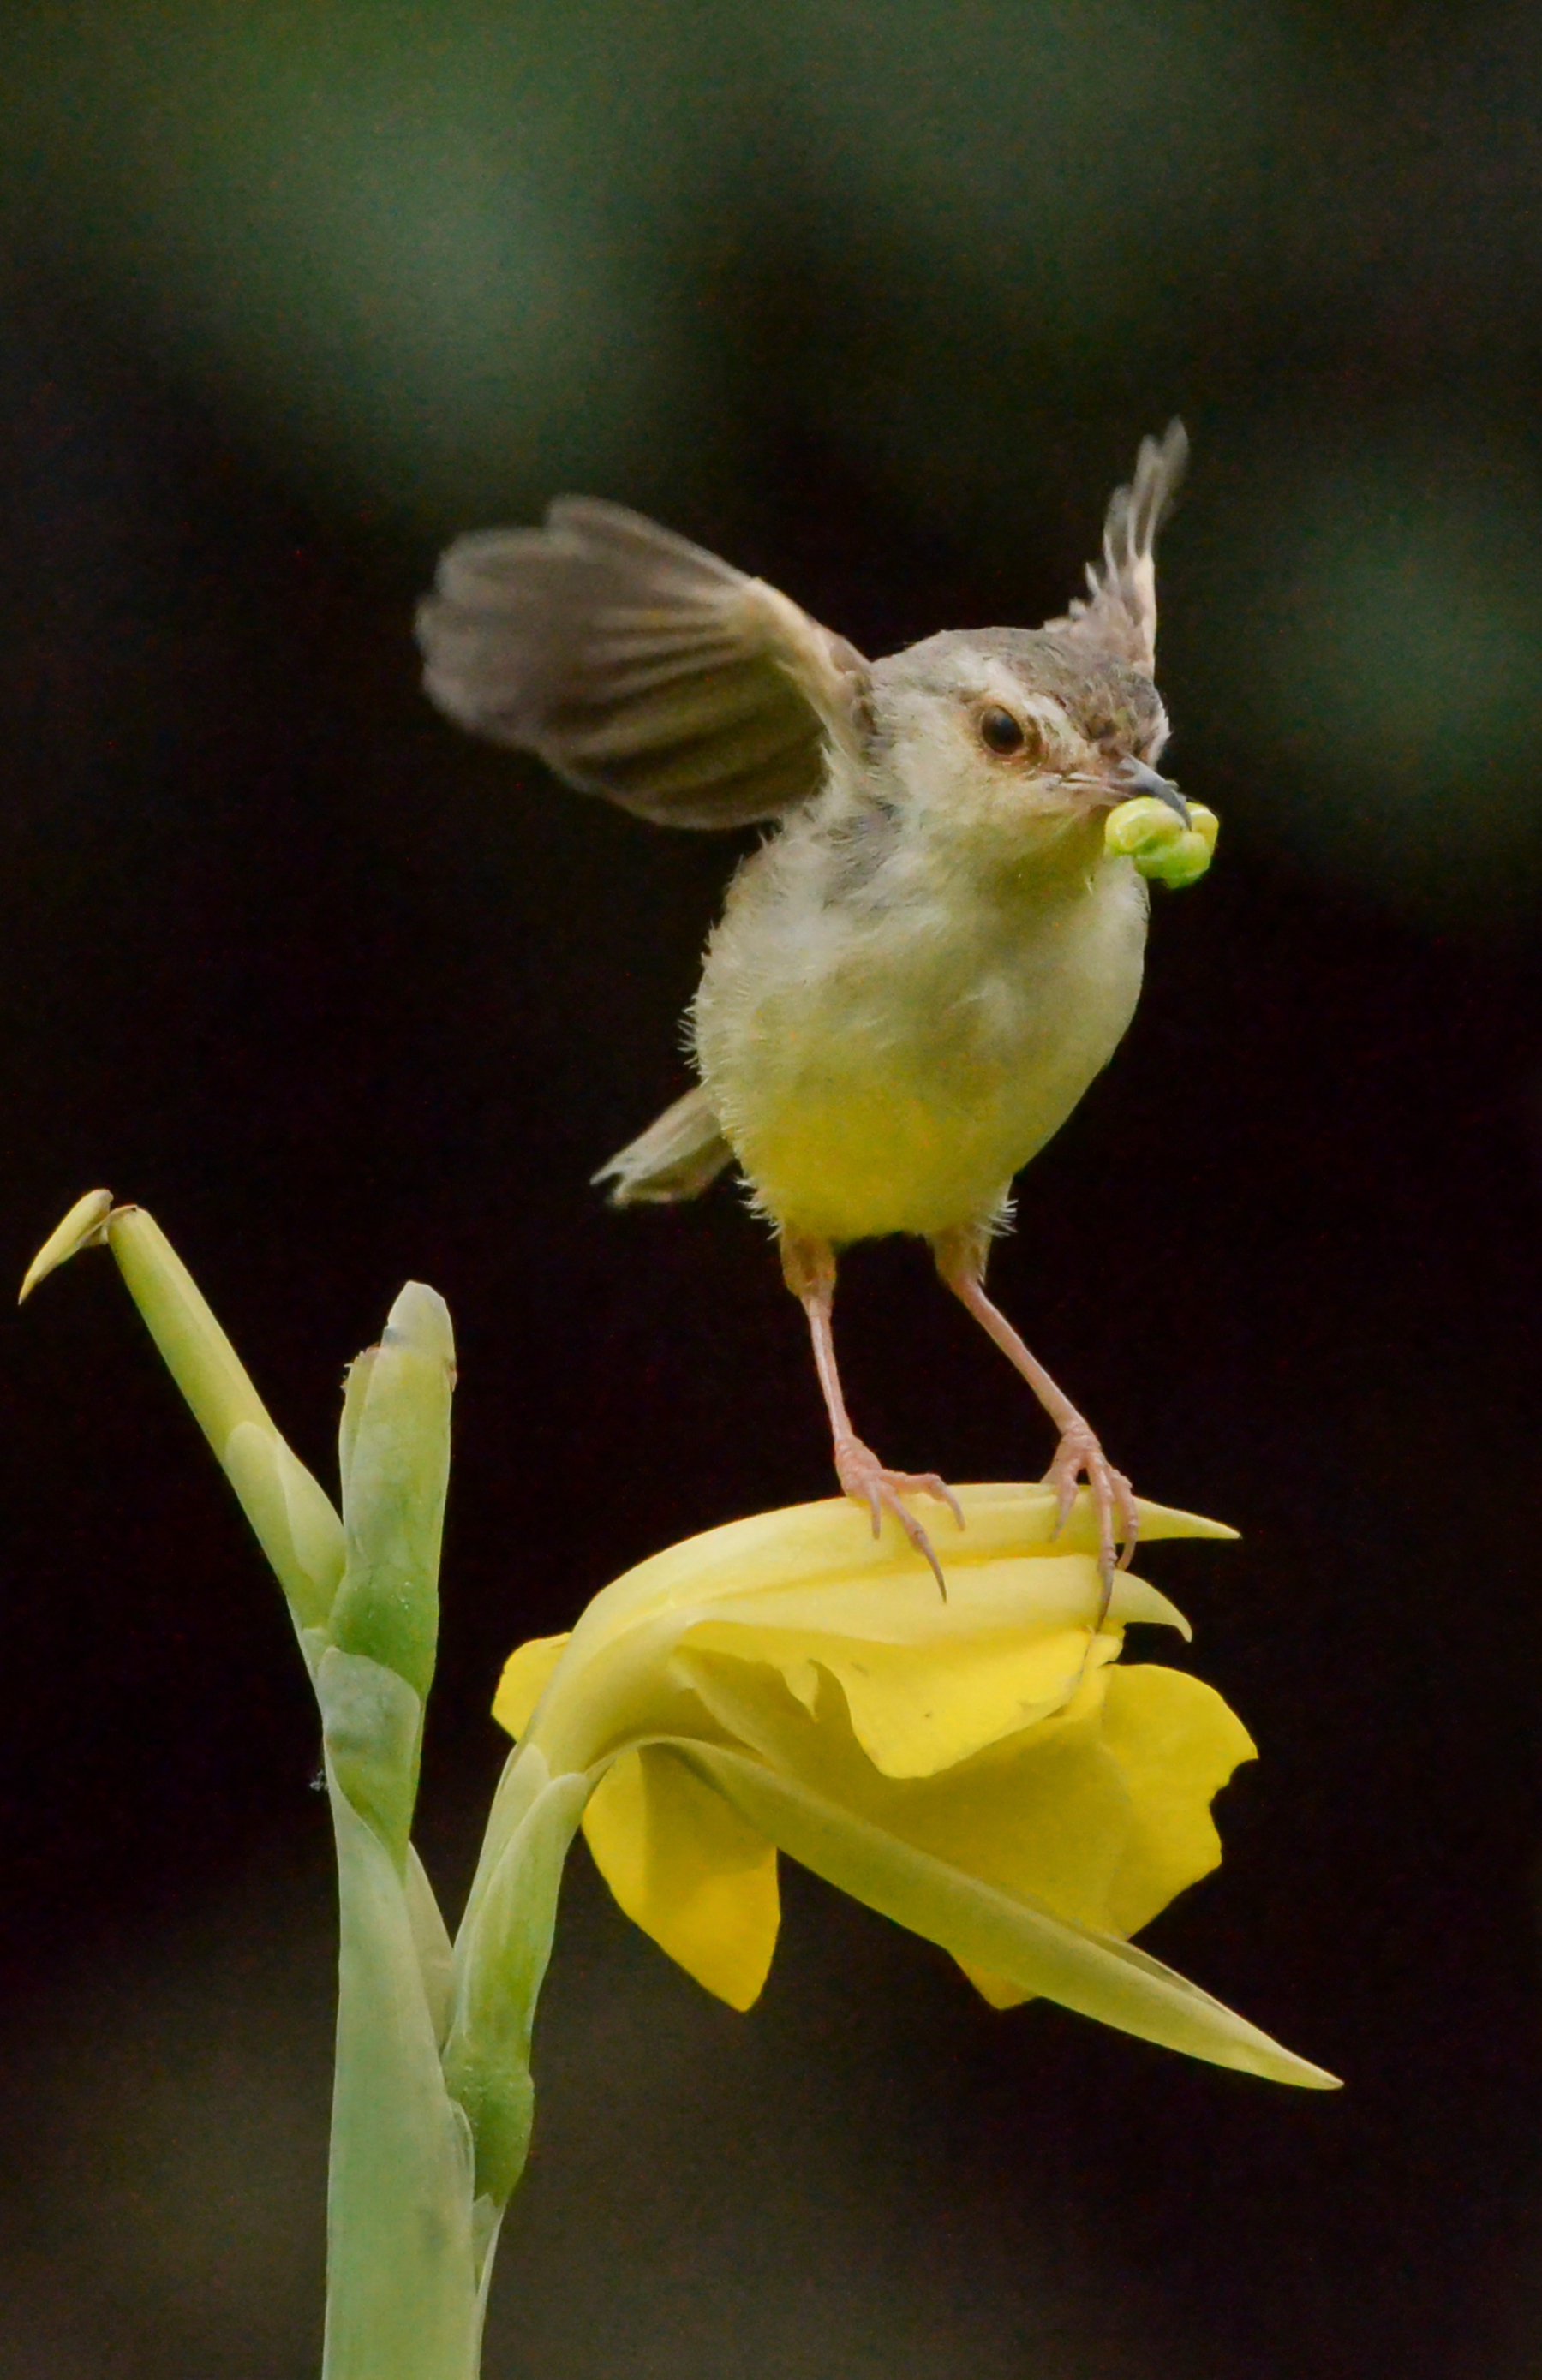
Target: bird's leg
961,1258
809,1268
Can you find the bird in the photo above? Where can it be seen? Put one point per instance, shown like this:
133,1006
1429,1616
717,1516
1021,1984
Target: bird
938,946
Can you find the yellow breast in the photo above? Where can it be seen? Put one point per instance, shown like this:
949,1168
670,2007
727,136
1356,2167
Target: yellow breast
895,1081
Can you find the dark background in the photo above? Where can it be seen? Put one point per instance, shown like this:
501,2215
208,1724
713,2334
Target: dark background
877,300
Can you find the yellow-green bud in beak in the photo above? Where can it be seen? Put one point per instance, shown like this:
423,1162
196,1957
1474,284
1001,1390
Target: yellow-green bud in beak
1147,831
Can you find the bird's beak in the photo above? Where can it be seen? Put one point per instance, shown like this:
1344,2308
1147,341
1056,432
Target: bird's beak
1133,779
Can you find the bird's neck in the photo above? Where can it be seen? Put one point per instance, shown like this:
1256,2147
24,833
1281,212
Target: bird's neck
1064,853
1037,862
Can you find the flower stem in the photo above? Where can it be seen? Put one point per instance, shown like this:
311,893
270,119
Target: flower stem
405,2249
433,2100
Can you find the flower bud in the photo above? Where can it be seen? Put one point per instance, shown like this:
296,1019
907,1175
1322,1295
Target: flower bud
394,1451
1141,829
1185,862
85,1226
1157,840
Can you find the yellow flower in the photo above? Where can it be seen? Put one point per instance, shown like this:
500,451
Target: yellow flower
983,1770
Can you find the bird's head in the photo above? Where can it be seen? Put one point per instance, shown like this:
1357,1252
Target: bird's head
1012,740
1014,744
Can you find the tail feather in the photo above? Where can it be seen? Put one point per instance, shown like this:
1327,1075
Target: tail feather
676,1157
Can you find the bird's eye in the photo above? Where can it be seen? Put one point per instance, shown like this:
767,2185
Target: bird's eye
1000,732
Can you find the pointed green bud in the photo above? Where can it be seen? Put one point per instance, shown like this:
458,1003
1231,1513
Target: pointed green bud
395,1453
85,1226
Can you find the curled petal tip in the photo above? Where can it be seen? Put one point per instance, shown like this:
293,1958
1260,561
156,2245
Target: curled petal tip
1171,1521
85,1226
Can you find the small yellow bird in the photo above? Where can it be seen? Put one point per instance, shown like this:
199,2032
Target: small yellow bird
921,969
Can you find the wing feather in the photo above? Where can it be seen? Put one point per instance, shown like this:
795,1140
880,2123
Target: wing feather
640,667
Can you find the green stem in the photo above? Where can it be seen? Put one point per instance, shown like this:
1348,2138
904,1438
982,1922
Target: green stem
500,1964
407,2245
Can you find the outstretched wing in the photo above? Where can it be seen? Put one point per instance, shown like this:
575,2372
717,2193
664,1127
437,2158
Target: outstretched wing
640,667
1117,619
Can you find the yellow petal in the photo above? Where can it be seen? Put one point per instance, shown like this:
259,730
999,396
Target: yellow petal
1050,1816
524,1681
830,1545
1027,1590
999,1932
929,1684
688,1869
998,1989
915,1717
1046,1813
917,1713
1101,1816
816,1570
1176,1743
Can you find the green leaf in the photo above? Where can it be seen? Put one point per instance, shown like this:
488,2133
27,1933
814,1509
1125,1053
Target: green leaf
295,1522
371,1724
198,1356
435,1952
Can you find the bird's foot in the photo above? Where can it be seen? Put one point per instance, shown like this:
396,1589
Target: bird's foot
866,1481
1080,1456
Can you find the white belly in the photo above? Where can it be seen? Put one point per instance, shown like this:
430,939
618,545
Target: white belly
894,1076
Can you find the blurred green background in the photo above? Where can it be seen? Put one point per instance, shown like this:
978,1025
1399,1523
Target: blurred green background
437,262
876,300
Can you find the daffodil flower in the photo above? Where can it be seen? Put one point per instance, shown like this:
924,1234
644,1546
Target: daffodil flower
984,1770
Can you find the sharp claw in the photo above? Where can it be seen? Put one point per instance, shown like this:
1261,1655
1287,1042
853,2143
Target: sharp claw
1113,1503
864,1478
913,1530
923,1545
927,1483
